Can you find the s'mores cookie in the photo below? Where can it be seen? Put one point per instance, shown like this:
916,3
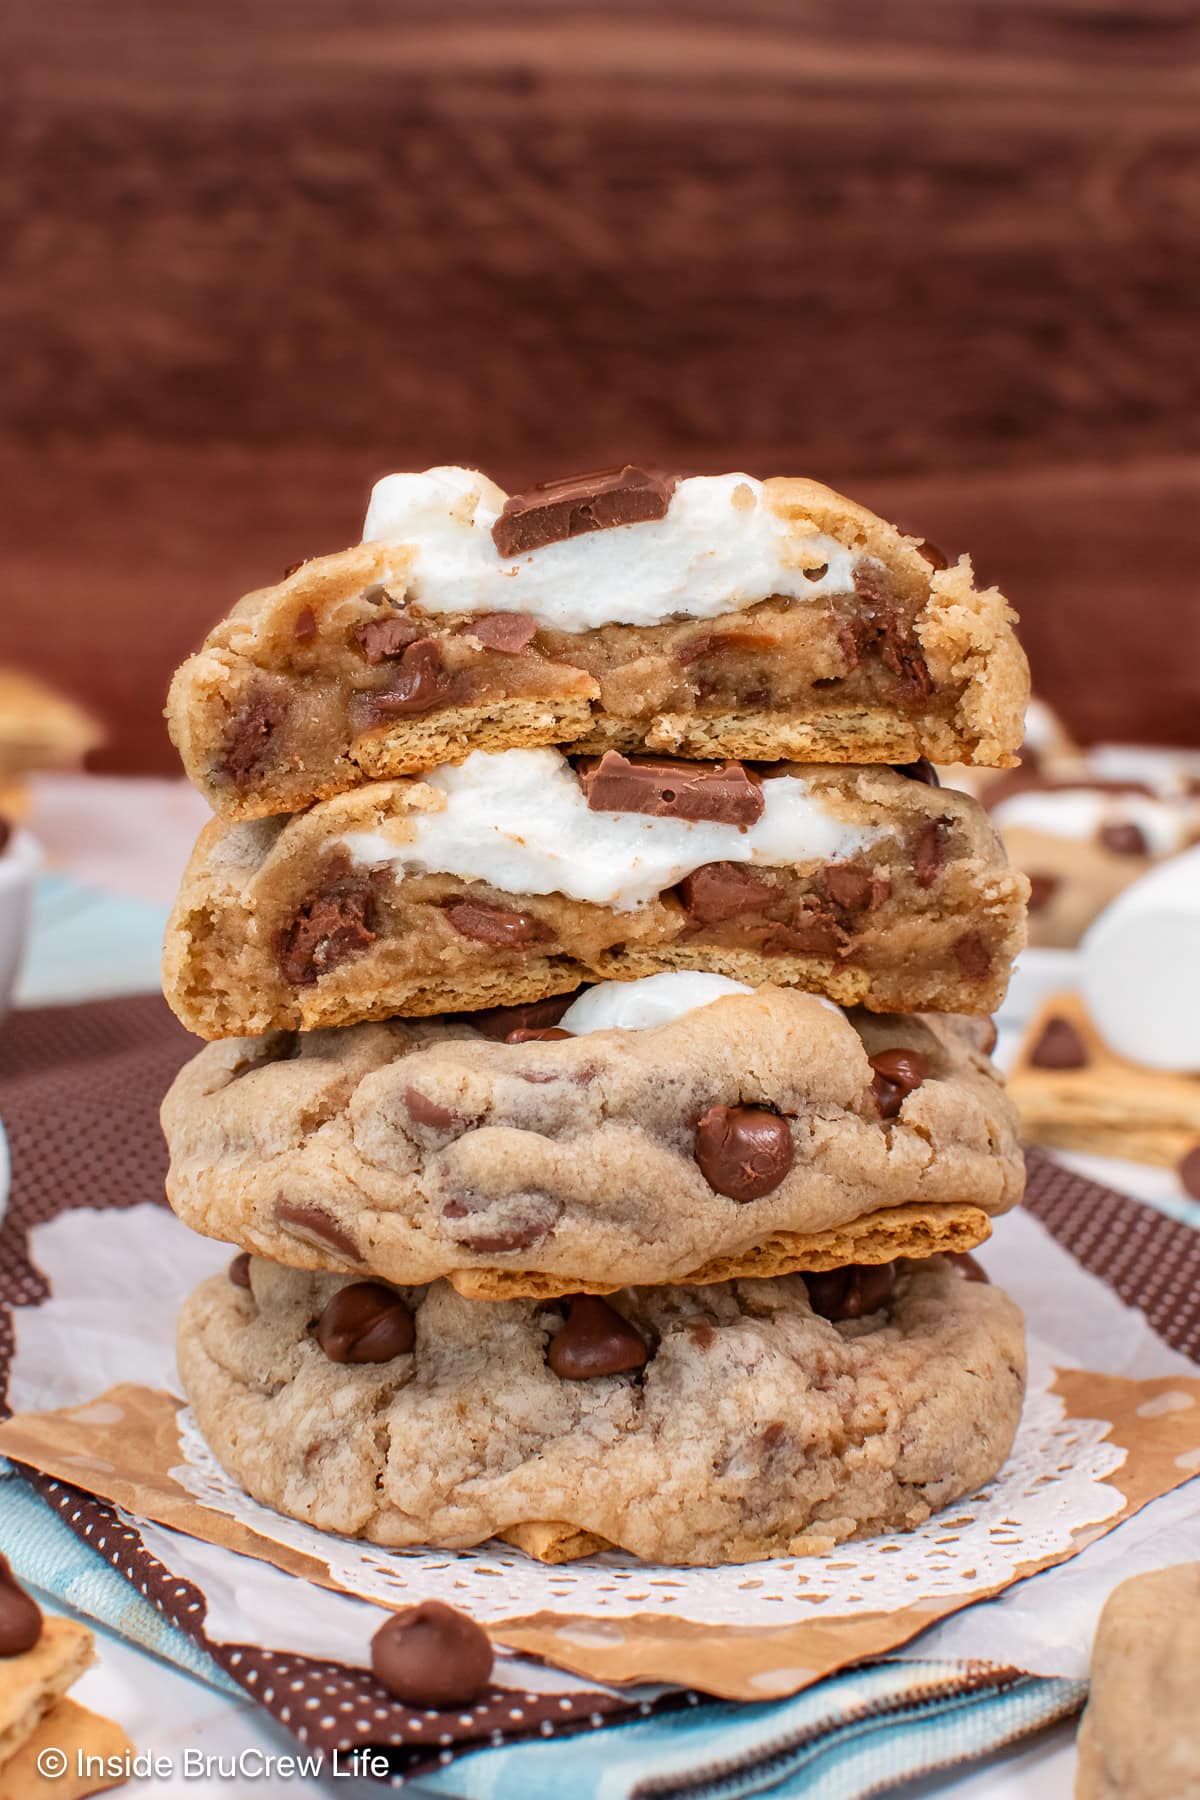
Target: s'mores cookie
707,617
687,1425
514,876
672,1129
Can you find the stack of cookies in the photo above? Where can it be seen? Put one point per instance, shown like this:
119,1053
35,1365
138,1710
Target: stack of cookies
599,983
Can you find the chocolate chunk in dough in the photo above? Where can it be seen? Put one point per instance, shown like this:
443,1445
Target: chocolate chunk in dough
935,557
432,1656
313,1222
365,1323
239,1270
1042,889
421,682
20,1615
595,1340
304,626
524,1034
335,925
379,639
503,630
498,925
249,742
812,931
719,891
598,501
1189,1172
537,1216
973,955
424,1111
723,793
921,770
898,1073
881,627
534,1015
930,852
1124,838
852,1292
850,887
743,1152
1059,1047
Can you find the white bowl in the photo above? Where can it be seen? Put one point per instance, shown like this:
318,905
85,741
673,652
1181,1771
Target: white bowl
19,864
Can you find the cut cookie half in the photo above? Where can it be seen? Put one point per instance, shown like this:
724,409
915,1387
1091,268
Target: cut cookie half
687,1425
749,1135
713,616
515,876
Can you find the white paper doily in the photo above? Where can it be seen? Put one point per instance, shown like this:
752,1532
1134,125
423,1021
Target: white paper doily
1054,1482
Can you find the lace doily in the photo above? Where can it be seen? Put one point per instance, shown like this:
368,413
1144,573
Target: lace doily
1055,1481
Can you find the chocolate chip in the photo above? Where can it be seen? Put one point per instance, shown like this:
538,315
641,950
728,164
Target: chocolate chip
365,1323
574,504
498,925
304,626
1189,1172
538,1217
1042,889
987,1035
312,1221
239,1270
595,1340
723,793
20,1615
723,890
1124,839
424,1111
1059,1046
5,834
743,1151
249,741
433,1656
711,643
702,1336
379,639
336,924
898,1073
849,886
505,631
930,851
277,1046
935,557
881,627
812,931
973,955
534,1015
921,770
421,682
525,1034
292,567
851,1292
964,1264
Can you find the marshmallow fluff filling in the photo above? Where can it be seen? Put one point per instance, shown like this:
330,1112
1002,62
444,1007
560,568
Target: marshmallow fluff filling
519,820
653,1000
720,548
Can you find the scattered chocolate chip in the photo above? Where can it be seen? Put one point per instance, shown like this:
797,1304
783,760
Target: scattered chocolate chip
987,1036
773,1435
312,1221
817,573
921,770
1189,1172
930,851
1059,1046
292,567
964,1264
898,1073
881,627
525,1034
534,1015
538,1215
723,890
849,886
505,631
336,924
1042,889
249,740
277,1046
743,1151
432,1656
851,1292
365,1323
239,1270
1124,839
424,1111
723,793
498,925
379,639
812,931
935,557
702,1336
20,1615
574,504
973,955
711,643
304,626
421,682
595,1340
5,834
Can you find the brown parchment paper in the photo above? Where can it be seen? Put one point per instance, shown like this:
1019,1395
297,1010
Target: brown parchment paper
123,1446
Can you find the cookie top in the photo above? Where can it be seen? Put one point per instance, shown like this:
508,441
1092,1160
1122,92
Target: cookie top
754,1127
687,1425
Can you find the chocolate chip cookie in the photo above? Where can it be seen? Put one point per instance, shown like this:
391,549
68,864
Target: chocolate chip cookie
687,1425
716,616
757,1133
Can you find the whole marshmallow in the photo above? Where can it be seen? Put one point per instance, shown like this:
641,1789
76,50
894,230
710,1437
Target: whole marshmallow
1140,968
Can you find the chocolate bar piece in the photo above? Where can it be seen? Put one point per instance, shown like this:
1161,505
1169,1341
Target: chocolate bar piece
566,508
724,793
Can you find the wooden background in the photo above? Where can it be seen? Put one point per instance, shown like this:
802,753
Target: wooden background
941,252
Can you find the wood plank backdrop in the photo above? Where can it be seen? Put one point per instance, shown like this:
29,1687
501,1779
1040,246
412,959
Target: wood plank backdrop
943,253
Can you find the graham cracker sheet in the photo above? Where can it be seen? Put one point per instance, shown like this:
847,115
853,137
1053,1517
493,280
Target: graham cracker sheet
98,1408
